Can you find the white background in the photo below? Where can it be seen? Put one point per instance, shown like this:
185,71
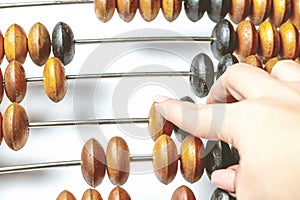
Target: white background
100,99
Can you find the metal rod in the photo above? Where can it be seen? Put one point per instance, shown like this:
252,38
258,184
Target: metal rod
43,3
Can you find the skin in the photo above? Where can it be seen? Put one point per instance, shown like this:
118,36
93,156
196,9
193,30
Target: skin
260,117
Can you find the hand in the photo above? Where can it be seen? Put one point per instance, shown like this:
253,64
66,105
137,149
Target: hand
257,113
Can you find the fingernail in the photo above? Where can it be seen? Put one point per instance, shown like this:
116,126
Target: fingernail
224,179
160,98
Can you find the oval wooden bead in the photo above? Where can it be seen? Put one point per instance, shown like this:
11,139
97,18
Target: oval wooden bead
104,9
91,194
192,162
218,9
254,61
1,86
93,162
171,9
269,40
219,194
295,16
63,42
165,159
127,9
15,126
194,9
247,37
1,128
240,9
289,37
225,39
39,44
157,124
15,82
1,47
260,11
15,44
118,193
149,9
270,64
117,160
183,193
224,63
281,11
66,195
55,82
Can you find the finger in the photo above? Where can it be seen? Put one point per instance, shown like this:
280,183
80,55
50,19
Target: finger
224,179
286,70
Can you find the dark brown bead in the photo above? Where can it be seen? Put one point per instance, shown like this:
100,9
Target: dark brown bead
1,86
219,194
39,44
240,10
157,124
270,64
218,9
295,13
191,160
55,82
165,159
194,9
171,9
104,9
281,11
66,195
15,82
93,162
1,47
117,160
15,44
247,37
118,193
289,37
254,61
183,193
260,11
149,9
15,126
127,9
225,62
91,194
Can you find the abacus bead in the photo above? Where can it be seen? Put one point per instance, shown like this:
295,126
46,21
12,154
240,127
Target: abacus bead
235,155
55,82
192,162
15,126
225,39
1,86
15,44
127,9
219,194
1,47
260,11
39,44
203,75
15,82
118,193
66,195
93,162
270,64
281,12
171,9
183,193
194,9
91,194
254,61
117,160
295,13
240,9
1,129
224,63
165,159
149,9
247,37
289,37
217,9
157,124
63,42
104,9
269,40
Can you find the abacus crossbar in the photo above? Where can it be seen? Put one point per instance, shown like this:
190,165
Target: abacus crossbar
43,3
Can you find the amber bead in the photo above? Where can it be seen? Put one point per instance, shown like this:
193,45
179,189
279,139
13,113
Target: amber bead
15,82
247,37
117,160
63,42
1,86
165,159
270,64
127,9
297,60
260,11
118,193
191,161
149,9
39,44
194,9
93,162
217,9
295,16
269,40
289,37
240,9
157,124
91,194
1,129
171,9
183,193
225,62
104,9
55,82
281,11
15,126
15,44
1,47
66,195
254,61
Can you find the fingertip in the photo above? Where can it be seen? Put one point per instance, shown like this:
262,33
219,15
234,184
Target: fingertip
286,70
160,98
224,179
